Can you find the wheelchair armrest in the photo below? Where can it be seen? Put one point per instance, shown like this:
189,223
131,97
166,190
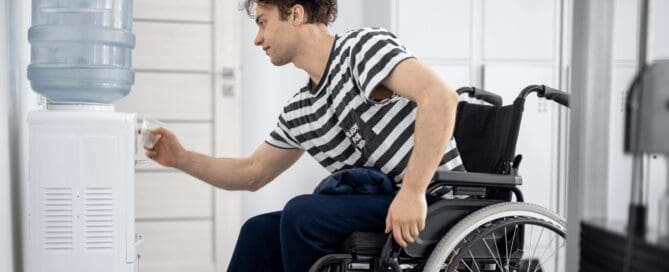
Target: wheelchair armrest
475,179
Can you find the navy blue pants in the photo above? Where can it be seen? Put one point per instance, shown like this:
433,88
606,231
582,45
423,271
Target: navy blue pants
309,227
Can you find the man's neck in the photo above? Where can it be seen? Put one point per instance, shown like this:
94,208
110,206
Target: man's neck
314,51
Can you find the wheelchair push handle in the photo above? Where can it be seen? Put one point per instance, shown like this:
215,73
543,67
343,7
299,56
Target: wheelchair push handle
480,94
558,96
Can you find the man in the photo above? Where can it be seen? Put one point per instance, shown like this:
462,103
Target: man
368,103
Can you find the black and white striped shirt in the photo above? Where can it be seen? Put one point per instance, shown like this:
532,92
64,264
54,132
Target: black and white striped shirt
340,125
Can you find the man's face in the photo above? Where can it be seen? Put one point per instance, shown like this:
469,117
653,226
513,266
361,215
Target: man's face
275,36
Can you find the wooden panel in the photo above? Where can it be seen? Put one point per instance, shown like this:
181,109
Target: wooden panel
172,195
196,137
522,29
538,133
170,96
176,243
450,22
625,27
192,10
172,46
455,76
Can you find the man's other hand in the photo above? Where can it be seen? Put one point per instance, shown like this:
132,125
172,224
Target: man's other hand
406,216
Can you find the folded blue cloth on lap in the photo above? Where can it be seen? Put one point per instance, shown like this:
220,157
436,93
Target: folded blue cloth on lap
365,180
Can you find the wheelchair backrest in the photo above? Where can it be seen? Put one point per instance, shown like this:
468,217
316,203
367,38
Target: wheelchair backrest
486,136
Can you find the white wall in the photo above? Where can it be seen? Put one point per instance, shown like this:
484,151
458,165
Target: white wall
265,90
377,13
6,254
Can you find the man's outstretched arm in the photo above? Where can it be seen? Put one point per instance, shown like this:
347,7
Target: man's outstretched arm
249,173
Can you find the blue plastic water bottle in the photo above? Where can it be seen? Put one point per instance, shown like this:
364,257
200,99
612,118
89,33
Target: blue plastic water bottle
81,50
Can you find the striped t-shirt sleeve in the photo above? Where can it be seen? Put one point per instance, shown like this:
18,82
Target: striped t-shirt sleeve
280,137
373,58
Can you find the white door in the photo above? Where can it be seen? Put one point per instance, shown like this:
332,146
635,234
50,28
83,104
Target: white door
186,65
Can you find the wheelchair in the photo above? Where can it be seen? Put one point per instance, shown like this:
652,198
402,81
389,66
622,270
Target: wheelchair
475,225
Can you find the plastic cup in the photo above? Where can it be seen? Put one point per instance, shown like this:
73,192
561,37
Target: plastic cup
149,124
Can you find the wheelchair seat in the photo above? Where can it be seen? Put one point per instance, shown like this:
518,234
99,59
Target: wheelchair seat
441,215
365,243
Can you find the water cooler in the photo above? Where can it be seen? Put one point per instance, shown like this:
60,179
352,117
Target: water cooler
80,191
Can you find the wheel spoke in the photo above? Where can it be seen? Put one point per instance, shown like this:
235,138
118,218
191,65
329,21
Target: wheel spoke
549,257
513,239
547,247
492,254
535,248
467,266
538,242
529,242
506,248
476,264
499,256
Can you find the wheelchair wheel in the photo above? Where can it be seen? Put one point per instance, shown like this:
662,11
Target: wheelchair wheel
509,236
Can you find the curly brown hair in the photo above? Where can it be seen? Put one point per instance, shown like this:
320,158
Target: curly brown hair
317,11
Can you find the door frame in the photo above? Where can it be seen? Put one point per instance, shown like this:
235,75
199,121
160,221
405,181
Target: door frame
227,121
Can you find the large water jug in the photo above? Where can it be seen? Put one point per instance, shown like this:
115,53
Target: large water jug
81,50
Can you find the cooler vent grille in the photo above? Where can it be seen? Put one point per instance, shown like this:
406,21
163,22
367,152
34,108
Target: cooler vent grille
58,229
99,219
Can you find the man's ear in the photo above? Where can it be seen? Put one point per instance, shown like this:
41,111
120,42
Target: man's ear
297,15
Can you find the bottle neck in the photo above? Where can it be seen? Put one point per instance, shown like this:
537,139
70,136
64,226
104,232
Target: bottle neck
78,106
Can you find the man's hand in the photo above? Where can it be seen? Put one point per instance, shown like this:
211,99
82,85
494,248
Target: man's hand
167,150
406,216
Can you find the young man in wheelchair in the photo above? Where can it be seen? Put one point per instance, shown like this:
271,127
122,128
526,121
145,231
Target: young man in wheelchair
368,105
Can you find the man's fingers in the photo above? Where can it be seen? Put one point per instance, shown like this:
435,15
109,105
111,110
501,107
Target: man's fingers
397,234
414,231
162,131
158,141
388,225
156,145
151,153
158,130
406,233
